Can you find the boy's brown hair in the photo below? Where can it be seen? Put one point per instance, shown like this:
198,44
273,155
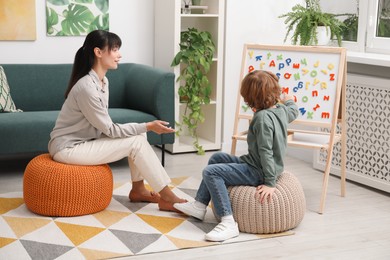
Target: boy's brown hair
260,89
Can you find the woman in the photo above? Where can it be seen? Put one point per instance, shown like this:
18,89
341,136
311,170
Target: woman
84,133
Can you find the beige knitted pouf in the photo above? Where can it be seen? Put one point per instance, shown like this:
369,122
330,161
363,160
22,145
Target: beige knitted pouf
284,212
55,189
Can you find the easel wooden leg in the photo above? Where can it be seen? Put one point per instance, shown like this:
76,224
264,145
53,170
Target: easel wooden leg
326,179
343,163
343,140
234,144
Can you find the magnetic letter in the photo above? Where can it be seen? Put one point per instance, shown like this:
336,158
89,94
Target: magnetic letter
317,64
305,71
269,55
296,66
316,107
305,99
258,58
325,115
279,57
315,81
314,93
288,61
307,85
285,90
262,64
324,72
304,62
297,76
287,75
310,115
330,66
250,53
303,111
281,66
251,68
272,63
331,77
313,73
326,98
324,85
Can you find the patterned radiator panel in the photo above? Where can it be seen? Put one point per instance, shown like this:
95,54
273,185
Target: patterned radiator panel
368,134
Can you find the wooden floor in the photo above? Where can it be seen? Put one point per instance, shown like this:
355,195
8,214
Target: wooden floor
353,227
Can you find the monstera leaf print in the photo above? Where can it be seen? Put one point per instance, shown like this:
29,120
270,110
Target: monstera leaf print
77,20
76,17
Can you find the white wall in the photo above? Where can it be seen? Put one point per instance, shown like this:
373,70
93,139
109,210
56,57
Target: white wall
132,20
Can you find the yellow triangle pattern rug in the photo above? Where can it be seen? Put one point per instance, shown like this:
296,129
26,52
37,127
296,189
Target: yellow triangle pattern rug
124,228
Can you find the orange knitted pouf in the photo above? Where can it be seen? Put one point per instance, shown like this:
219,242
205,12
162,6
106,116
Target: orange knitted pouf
51,188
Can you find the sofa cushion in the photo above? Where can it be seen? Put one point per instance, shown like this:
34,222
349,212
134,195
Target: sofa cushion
6,102
30,131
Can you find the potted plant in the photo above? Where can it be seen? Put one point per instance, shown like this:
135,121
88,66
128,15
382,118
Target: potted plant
304,22
195,58
350,30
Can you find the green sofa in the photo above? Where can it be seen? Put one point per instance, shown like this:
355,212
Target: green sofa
138,93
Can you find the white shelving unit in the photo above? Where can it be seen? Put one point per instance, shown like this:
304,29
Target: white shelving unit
169,22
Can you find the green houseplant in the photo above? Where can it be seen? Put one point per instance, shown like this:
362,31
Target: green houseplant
195,58
350,30
304,21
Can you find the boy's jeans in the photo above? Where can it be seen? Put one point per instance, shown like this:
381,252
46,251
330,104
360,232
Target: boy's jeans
225,170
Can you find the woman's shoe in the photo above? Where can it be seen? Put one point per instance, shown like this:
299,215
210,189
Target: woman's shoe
168,206
154,197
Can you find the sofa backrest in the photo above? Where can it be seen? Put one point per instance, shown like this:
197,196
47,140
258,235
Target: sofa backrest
39,87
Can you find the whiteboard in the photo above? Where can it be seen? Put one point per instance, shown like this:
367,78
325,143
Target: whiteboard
313,75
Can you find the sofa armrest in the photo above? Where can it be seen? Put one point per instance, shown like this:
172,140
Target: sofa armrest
151,90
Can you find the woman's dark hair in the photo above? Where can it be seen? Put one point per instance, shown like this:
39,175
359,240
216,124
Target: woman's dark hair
85,56
260,89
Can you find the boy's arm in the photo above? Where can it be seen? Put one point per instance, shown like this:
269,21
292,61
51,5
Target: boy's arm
263,129
288,101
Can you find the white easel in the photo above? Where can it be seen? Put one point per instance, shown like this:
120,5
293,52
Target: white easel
254,57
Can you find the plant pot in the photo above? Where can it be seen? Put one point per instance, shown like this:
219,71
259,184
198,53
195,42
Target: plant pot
350,36
184,99
323,35
197,8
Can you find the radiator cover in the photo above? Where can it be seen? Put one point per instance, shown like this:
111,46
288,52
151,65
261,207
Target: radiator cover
368,133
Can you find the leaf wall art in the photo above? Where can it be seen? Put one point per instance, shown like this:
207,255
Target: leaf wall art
76,17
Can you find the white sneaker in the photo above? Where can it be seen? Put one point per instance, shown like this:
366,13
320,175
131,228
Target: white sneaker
190,209
222,232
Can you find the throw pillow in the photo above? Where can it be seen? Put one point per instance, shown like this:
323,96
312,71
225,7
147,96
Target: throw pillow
6,102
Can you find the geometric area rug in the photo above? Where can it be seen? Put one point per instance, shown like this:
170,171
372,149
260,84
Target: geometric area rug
123,229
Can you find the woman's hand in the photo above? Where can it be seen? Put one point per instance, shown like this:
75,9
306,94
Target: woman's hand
264,193
159,127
